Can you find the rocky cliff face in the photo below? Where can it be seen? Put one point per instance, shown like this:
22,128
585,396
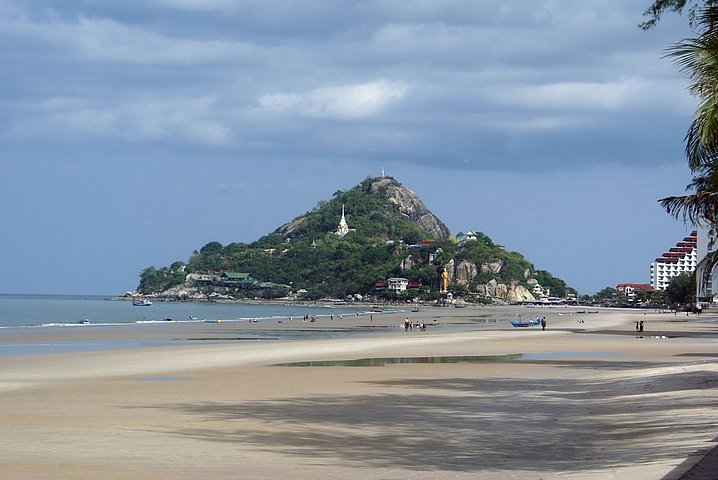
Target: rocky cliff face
464,273
410,206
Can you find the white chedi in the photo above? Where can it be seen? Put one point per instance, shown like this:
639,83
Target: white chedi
342,228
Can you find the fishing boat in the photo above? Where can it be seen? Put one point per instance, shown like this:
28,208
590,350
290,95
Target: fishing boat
527,323
141,303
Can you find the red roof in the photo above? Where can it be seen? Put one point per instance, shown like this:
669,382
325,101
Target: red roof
414,285
380,285
636,286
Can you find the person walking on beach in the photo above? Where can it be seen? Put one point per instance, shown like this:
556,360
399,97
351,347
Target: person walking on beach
636,326
543,324
406,324
640,326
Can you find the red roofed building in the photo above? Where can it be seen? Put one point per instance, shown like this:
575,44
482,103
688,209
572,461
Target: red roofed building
681,258
629,290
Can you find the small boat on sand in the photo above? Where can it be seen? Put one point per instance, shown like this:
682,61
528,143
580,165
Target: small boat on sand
528,323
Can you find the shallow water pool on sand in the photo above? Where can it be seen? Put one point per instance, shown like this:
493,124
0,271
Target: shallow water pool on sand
159,379
385,361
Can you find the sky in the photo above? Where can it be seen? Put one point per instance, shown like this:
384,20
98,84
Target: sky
132,133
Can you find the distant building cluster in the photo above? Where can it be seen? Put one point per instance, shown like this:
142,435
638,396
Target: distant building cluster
232,281
630,291
397,284
681,258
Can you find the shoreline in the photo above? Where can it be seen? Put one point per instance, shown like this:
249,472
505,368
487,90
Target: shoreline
589,400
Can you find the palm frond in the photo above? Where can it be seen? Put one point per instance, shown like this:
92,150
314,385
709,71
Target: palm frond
701,206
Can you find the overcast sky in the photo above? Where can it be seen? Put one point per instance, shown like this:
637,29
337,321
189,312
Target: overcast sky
132,133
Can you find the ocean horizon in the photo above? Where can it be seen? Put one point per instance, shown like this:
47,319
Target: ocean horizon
51,310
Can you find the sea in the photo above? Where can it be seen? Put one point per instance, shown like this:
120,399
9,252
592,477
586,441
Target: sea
93,311
62,311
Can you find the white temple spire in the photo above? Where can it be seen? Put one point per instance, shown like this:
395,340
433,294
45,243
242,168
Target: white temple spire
343,228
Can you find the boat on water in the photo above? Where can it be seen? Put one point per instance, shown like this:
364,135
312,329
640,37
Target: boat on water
84,321
141,303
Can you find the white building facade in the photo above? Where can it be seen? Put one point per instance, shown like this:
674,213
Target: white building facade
706,284
397,284
682,258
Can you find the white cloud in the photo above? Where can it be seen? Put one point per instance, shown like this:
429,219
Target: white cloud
600,96
342,101
108,40
279,101
188,119
200,5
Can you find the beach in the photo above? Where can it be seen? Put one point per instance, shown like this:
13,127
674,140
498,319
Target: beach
588,398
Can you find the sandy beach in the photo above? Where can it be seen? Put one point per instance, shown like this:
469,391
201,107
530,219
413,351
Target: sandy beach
589,398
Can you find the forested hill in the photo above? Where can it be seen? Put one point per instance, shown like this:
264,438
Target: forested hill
390,233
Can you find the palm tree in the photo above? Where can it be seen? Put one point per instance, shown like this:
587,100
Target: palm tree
698,57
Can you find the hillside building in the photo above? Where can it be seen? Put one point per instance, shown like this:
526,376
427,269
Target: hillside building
397,284
682,258
630,290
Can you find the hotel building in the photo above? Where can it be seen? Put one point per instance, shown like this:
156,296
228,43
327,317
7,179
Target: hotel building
679,259
706,282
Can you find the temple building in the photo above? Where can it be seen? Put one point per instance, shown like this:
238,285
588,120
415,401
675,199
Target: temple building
343,227
682,258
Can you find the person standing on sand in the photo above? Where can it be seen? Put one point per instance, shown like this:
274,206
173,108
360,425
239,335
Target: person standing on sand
406,324
543,324
640,326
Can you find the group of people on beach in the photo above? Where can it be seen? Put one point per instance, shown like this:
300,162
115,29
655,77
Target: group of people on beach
639,326
410,326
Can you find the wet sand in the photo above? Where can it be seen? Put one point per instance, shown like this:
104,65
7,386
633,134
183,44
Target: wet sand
587,400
